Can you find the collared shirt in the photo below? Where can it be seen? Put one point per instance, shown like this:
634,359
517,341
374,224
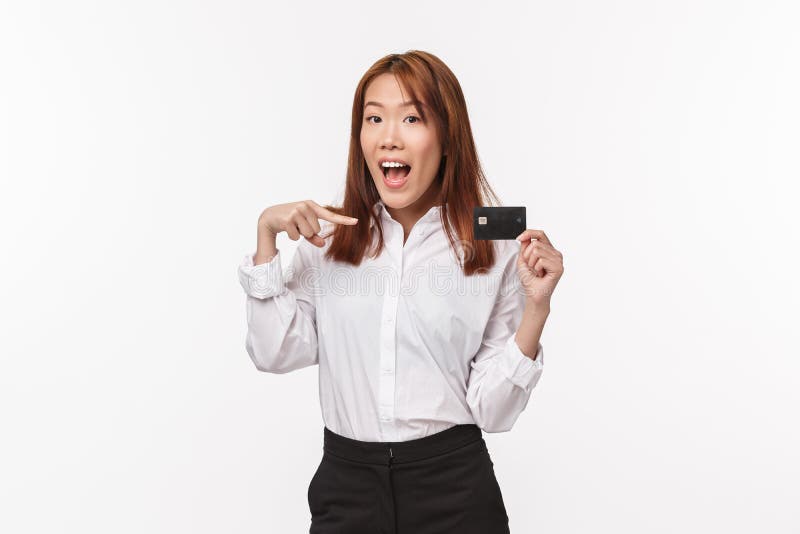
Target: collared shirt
406,345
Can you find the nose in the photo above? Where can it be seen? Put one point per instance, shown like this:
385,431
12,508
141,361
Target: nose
391,136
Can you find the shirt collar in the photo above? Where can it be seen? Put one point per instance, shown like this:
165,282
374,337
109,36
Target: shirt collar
432,215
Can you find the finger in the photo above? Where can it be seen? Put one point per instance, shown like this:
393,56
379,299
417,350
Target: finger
538,247
291,229
543,245
311,217
317,240
330,216
532,259
531,233
545,251
539,267
523,255
539,256
528,250
304,226
549,266
524,252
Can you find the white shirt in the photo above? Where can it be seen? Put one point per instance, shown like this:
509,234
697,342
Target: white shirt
407,345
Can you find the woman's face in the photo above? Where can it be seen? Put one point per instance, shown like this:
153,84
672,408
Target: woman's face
395,131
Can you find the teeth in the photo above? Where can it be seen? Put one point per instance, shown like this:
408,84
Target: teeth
392,164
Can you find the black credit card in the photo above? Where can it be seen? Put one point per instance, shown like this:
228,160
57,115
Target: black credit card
499,222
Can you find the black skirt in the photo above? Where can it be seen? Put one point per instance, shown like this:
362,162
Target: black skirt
440,484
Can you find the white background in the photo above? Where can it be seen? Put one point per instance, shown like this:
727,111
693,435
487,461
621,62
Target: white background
655,142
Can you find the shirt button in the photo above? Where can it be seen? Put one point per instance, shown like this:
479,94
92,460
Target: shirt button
386,371
385,418
389,319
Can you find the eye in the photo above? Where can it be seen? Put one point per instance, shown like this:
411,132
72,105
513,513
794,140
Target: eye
416,119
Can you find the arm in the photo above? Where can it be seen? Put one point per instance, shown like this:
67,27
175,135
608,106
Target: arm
281,314
503,376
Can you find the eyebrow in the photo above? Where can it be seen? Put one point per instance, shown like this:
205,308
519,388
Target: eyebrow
404,104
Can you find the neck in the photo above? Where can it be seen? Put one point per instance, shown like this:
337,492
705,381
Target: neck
409,215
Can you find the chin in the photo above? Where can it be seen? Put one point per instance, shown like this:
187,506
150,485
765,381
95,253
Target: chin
397,200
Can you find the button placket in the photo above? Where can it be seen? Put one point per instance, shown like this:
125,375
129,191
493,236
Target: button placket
388,345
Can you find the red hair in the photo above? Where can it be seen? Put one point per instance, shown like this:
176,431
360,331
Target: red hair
463,184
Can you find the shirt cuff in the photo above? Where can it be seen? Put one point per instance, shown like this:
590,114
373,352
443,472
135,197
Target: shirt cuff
521,370
261,281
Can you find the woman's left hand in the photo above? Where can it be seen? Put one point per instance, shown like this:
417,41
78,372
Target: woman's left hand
539,266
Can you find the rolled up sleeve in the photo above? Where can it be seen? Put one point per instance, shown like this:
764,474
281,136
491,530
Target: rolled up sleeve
281,312
502,377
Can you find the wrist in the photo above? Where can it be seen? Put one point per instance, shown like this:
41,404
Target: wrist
538,306
266,247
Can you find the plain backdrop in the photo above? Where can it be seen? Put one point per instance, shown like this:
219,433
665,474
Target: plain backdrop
655,142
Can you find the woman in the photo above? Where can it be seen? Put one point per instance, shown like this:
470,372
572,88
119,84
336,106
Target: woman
424,336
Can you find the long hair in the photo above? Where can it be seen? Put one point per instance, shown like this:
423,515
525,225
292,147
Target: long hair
462,180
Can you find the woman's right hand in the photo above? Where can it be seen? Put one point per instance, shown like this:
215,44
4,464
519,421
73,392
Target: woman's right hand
296,219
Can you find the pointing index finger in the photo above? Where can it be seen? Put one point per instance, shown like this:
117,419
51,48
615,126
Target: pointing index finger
330,216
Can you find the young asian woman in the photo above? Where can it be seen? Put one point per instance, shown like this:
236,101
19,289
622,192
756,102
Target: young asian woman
424,336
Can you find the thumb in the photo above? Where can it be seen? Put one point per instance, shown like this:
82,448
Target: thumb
317,240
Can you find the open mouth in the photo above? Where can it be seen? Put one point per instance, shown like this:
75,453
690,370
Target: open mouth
396,173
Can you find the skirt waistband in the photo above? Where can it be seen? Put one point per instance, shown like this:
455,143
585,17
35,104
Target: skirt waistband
384,452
